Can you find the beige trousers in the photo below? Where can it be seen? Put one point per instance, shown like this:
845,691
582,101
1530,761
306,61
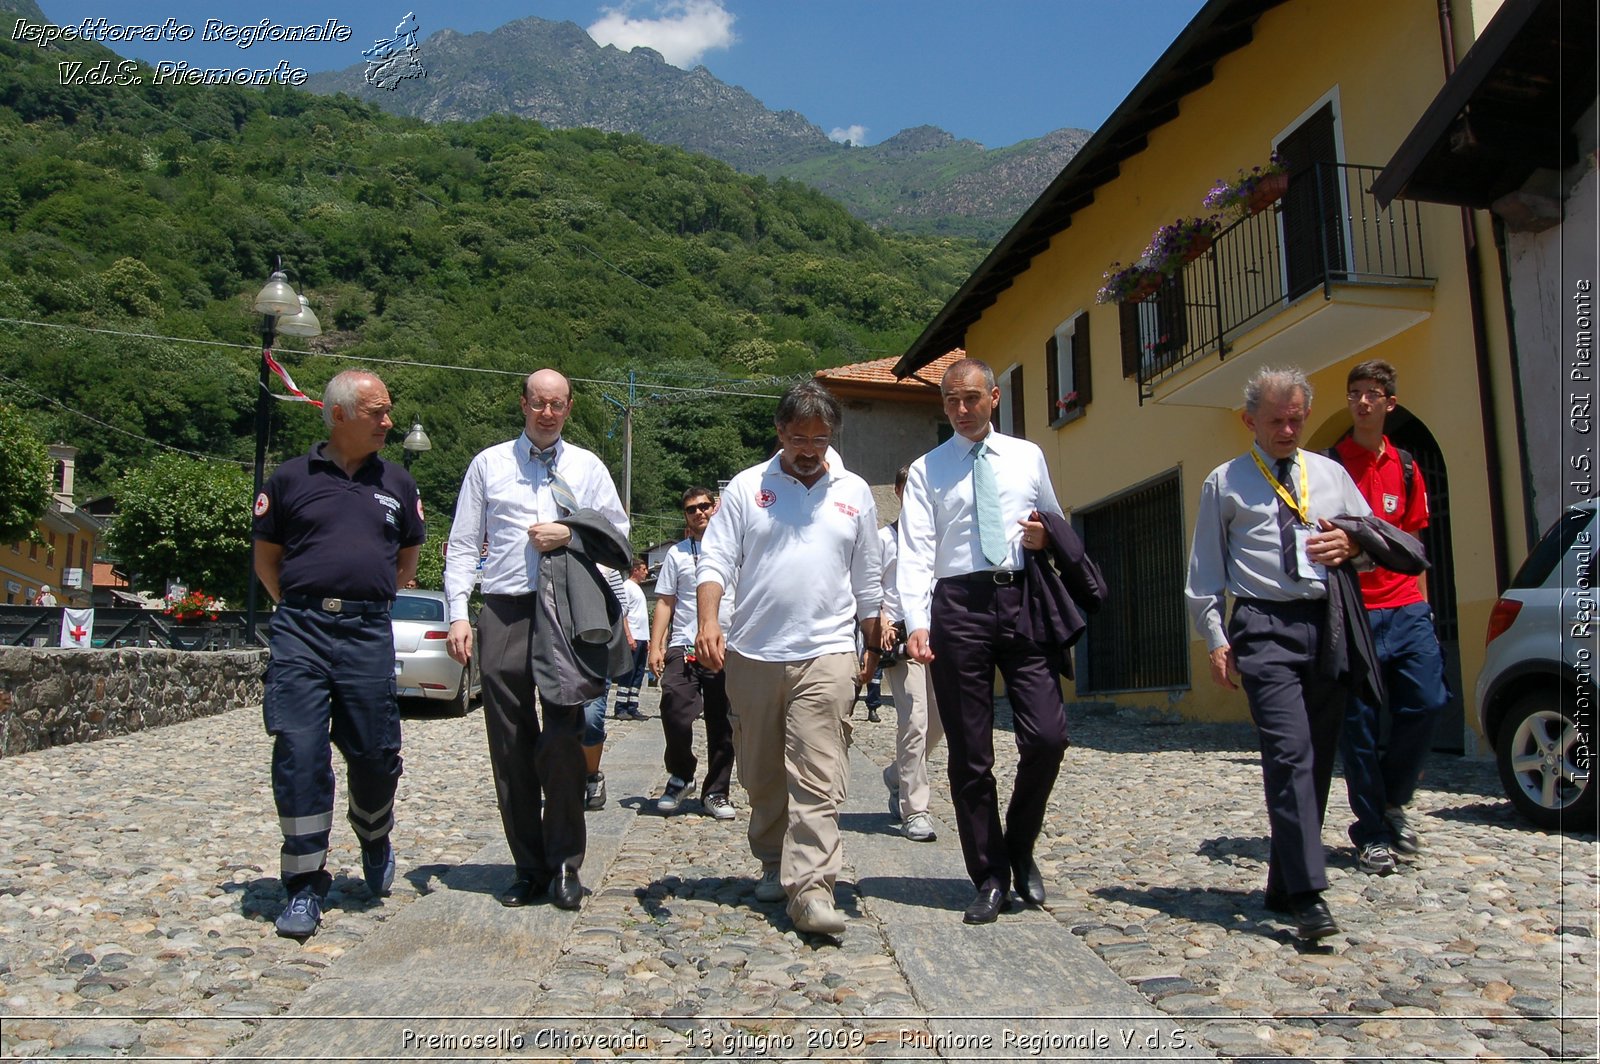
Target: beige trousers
789,744
917,731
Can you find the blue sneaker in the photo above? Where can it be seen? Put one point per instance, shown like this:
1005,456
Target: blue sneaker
302,916
379,869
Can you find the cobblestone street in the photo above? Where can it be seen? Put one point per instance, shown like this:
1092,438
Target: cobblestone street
138,884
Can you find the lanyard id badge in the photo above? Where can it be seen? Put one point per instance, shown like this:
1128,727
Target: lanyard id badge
1309,570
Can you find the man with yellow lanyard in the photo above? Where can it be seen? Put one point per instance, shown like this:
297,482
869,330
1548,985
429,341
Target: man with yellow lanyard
1262,535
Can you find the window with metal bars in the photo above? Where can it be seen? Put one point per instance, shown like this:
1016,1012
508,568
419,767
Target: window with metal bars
1140,638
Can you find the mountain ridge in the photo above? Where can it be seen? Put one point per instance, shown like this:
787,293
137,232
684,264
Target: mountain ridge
921,179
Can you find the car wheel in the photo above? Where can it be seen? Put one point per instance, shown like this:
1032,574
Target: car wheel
461,703
1537,757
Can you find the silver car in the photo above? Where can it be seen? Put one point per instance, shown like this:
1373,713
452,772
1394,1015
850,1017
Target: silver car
1536,693
423,667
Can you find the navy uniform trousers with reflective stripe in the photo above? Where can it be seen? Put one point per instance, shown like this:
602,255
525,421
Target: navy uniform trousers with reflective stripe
331,676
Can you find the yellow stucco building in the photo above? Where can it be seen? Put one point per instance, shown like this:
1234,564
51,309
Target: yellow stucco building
60,555
1135,403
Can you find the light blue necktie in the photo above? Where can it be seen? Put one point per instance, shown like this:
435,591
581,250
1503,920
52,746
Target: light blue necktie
986,495
566,501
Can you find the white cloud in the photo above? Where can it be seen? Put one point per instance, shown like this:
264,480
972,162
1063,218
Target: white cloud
856,135
682,31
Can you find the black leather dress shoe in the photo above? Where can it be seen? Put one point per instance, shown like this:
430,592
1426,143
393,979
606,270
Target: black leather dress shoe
524,891
989,903
565,890
1312,920
1028,881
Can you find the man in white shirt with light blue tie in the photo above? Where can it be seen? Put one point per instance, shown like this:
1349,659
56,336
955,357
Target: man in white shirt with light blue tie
967,516
511,498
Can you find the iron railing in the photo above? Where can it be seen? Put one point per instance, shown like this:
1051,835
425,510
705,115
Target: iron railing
1327,229
40,626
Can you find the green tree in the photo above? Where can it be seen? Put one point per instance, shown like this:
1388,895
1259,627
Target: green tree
24,476
188,520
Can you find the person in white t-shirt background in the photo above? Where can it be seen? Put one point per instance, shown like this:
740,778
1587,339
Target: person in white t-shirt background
627,706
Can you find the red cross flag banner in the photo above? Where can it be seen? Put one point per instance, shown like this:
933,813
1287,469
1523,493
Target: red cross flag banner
76,628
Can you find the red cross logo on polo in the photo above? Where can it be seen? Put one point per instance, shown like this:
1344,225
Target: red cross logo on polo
766,497
261,504
1391,503
846,509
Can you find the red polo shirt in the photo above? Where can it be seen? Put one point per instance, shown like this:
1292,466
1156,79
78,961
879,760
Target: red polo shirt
1381,480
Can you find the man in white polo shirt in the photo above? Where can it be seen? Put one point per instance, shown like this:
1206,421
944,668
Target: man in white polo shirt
796,541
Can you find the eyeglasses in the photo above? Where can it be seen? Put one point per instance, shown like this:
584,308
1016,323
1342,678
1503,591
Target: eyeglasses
818,442
1371,395
555,406
698,507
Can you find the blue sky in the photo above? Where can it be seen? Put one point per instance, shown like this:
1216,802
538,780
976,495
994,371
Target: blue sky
995,71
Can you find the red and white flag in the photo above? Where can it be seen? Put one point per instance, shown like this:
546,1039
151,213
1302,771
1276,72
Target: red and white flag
76,628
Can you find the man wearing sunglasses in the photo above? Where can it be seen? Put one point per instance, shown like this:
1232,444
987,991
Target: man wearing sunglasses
688,687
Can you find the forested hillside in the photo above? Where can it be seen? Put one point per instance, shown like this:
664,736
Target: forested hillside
455,257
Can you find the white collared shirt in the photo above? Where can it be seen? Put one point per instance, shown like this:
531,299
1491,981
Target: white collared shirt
802,562
1237,546
506,491
889,555
638,615
939,520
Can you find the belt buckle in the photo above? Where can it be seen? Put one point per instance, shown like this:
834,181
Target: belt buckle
1003,577
333,605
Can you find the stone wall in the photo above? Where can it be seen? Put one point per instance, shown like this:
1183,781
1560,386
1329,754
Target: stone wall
51,697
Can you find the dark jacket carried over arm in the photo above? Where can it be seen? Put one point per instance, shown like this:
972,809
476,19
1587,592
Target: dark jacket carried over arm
582,639
1347,637
1063,584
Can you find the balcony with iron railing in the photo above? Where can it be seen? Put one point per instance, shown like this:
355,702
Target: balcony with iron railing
1321,275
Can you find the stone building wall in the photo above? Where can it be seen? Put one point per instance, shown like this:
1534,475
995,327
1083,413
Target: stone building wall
51,697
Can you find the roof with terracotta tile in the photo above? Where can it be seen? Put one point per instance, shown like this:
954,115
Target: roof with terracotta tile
876,378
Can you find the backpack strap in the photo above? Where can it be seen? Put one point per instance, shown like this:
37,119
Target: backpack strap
1408,467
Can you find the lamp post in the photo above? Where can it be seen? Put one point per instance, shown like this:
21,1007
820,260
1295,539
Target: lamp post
415,443
283,311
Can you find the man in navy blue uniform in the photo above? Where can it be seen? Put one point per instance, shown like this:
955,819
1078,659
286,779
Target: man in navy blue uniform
337,531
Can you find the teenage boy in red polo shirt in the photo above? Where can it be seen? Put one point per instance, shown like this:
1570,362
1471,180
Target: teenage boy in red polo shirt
1380,784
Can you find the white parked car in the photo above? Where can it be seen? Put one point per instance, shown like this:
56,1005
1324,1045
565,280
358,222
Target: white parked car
423,667
1536,693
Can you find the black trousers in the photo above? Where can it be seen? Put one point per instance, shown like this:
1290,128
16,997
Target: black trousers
687,691
538,764
330,680
1297,714
974,632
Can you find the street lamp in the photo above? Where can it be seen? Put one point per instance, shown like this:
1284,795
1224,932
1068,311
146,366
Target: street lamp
283,311
416,442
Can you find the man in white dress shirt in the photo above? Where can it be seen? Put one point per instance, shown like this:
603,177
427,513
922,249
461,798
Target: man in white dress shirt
509,500
1261,534
968,513
796,543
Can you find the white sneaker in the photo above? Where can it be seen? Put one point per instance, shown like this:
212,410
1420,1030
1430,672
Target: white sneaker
819,917
919,828
719,806
674,794
771,887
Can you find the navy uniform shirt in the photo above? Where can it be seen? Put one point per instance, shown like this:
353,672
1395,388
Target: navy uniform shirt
341,536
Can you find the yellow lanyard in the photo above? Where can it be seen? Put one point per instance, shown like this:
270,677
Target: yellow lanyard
1303,507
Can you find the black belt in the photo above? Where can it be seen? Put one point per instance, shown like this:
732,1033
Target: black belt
336,605
1002,577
